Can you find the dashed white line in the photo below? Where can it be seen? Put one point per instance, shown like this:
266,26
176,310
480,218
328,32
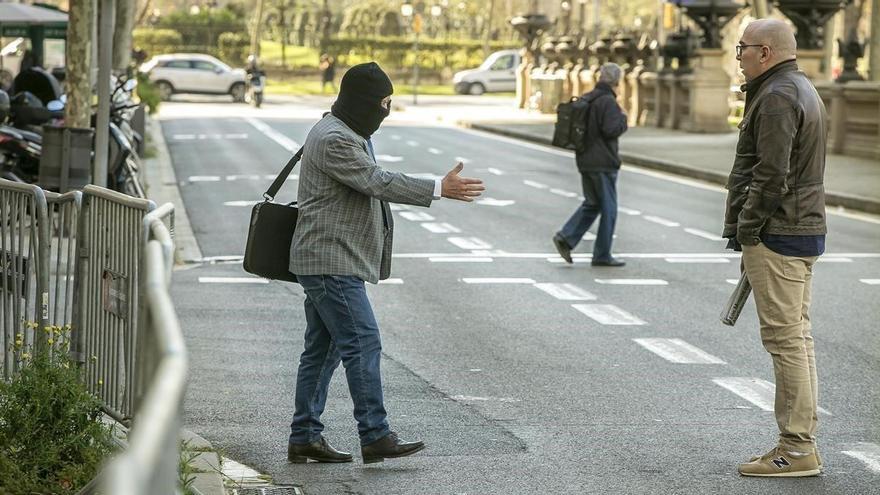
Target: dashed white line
659,220
608,314
631,281
494,171
469,242
285,142
628,211
434,151
395,137
462,160
441,228
870,281
495,202
536,185
678,351
389,158
834,259
705,235
232,280
240,203
697,260
868,453
755,390
459,259
563,193
424,175
397,207
412,143
732,281
391,281
242,177
498,281
204,178
416,216
566,292
183,137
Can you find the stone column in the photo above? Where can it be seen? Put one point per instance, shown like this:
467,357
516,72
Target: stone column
810,61
709,93
523,73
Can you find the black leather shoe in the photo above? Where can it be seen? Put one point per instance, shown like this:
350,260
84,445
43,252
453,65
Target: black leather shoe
389,446
611,262
319,451
563,248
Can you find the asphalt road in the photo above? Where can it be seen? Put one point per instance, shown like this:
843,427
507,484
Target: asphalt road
521,373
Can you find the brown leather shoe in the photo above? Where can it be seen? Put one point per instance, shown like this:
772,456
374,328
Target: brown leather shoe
319,451
389,446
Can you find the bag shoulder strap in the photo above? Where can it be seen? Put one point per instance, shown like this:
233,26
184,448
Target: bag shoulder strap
270,193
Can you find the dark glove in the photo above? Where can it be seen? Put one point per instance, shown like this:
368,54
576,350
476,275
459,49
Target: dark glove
734,244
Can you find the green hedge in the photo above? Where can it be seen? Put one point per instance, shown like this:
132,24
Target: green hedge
234,47
395,52
156,41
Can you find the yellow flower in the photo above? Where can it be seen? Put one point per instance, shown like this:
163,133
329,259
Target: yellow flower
51,341
25,355
100,382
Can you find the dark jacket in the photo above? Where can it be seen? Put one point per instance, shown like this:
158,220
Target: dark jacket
605,123
776,184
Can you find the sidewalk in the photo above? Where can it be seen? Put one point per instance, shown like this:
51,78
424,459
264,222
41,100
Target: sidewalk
850,182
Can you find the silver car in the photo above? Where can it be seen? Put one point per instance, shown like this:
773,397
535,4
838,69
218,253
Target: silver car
194,73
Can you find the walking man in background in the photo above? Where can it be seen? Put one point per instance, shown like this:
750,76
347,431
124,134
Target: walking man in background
776,214
598,164
343,238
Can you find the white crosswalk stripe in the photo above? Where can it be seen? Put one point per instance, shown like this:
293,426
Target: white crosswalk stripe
870,281
566,292
563,193
678,351
536,185
440,228
755,390
416,216
628,211
498,281
232,280
662,221
608,314
705,235
469,243
868,453
631,281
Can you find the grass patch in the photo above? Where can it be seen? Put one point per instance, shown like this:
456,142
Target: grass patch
297,57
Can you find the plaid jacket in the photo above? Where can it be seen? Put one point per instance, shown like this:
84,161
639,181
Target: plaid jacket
342,229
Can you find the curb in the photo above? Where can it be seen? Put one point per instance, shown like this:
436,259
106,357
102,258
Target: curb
206,464
832,198
160,182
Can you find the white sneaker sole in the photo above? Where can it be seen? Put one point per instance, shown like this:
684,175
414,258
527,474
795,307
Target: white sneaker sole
790,474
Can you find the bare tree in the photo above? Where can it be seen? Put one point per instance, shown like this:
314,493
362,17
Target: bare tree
78,111
122,34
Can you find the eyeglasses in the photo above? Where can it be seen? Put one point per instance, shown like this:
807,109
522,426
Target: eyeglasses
739,49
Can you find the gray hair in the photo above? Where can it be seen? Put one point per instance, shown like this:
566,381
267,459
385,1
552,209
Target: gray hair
610,73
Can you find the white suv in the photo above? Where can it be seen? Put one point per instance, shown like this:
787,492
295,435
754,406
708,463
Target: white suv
194,73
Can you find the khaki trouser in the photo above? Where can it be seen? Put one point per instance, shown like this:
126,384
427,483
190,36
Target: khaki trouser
781,287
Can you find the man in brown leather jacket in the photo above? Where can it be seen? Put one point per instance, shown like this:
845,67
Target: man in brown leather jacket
776,214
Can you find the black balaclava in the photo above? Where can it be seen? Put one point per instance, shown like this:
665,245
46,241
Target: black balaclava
361,92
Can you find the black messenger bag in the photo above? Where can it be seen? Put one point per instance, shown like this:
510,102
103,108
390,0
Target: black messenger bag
267,253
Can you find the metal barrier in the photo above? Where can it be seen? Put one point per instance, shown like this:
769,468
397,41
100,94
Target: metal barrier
106,295
24,274
149,466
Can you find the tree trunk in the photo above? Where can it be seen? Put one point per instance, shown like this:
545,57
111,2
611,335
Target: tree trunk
78,111
144,11
488,33
122,34
258,26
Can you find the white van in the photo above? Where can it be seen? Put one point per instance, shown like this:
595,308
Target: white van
496,73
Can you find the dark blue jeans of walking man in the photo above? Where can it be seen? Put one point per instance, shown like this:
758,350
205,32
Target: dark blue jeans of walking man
600,200
340,326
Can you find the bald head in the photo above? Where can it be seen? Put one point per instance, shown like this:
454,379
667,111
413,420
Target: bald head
774,33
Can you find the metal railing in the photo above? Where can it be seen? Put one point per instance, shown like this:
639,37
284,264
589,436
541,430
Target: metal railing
24,274
149,466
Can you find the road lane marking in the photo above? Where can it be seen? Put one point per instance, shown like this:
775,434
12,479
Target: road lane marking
494,171
183,137
589,236
732,281
204,178
459,259
441,228
416,216
495,202
434,151
705,235
608,314
833,259
868,453
628,211
498,281
391,281
536,185
631,281
232,178
232,280
755,390
397,207
662,221
389,158
472,398
412,143
563,193
462,159
240,203
870,281
566,292
424,175
729,255
285,142
469,242
697,260
678,351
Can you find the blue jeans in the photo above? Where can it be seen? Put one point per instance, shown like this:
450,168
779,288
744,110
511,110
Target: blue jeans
340,326
600,199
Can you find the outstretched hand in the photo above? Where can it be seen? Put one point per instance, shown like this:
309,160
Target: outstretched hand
461,188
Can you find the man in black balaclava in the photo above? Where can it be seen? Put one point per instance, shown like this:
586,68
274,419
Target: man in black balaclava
343,238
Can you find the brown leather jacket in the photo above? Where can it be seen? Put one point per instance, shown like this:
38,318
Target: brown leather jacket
776,184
